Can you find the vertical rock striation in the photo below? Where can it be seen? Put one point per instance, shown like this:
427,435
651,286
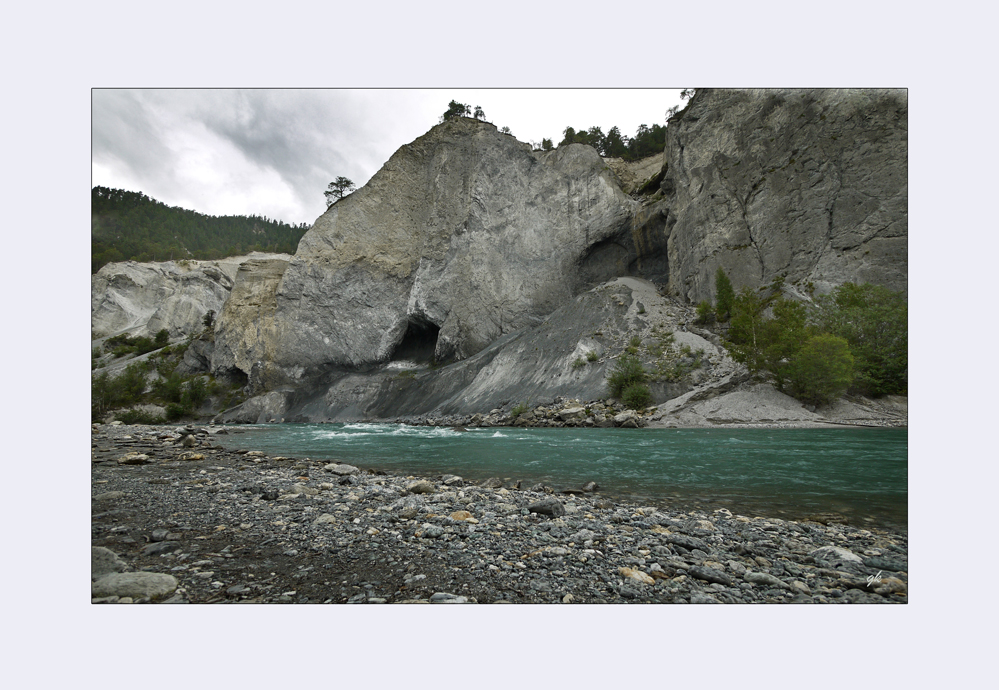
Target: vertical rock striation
810,185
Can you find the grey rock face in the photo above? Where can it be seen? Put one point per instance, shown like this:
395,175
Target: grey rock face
534,364
464,235
245,332
808,184
143,298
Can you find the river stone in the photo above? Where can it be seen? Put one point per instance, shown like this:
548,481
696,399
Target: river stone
159,547
551,507
571,413
702,598
104,561
491,483
446,598
460,515
421,486
686,542
431,531
710,575
800,587
325,519
135,585
109,496
884,563
889,585
765,579
134,459
835,556
341,469
192,456
636,575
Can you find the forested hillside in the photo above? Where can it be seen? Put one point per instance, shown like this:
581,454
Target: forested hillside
131,226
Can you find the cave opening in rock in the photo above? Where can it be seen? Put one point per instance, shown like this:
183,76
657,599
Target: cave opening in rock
419,343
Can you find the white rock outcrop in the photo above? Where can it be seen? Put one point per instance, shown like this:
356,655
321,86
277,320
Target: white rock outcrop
143,298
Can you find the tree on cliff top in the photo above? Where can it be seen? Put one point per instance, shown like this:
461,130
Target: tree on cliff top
337,189
456,109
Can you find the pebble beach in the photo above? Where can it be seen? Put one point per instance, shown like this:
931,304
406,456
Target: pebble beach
178,518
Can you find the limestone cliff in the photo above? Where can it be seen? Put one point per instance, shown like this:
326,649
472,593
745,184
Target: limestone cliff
470,249
143,298
464,235
810,185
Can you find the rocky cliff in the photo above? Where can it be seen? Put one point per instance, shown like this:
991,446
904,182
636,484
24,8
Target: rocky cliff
470,250
809,185
463,236
142,298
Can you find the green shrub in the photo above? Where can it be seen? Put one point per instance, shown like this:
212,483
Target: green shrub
705,314
636,341
519,409
724,295
637,396
592,356
138,417
162,338
627,371
175,411
579,363
195,393
170,388
110,392
822,370
874,321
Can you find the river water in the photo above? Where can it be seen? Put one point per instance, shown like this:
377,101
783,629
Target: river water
860,474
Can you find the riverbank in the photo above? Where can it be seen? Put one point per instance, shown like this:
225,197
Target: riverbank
745,404
178,518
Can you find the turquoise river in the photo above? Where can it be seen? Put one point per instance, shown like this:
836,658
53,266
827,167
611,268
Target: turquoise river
859,474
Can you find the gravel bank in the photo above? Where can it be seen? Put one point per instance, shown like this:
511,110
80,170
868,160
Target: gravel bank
177,518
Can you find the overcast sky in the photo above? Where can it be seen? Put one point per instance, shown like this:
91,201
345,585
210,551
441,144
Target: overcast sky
273,152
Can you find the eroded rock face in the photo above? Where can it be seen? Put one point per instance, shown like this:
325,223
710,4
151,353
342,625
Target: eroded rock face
246,335
806,184
464,235
570,354
143,298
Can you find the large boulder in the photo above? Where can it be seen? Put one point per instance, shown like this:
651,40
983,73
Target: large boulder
810,185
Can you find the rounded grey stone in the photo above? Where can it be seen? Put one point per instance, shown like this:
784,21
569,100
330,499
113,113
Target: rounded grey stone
135,585
104,562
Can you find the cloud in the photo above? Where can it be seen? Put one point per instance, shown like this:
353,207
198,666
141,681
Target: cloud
273,151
